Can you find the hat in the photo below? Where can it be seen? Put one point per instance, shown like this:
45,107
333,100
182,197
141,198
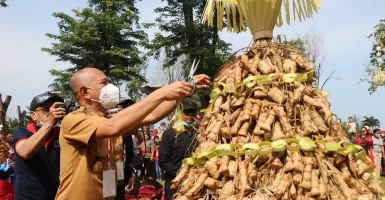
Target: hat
42,98
11,151
189,105
126,102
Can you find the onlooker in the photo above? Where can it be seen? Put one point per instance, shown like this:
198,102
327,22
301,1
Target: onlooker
154,134
378,150
162,128
37,150
383,159
156,158
174,148
4,148
366,142
148,149
83,150
352,133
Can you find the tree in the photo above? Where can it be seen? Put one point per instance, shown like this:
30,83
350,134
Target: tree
133,86
183,34
3,3
3,111
371,122
371,68
312,46
165,76
21,116
106,36
11,124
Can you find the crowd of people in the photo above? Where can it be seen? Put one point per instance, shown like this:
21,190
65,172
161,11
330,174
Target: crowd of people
97,151
372,141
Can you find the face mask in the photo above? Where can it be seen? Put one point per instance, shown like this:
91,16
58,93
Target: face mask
382,135
109,96
40,123
189,125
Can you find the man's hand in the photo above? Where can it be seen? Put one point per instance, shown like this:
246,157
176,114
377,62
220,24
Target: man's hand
202,81
176,91
55,113
131,183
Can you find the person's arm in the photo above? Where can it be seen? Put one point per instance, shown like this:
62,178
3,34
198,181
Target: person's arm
26,148
165,152
131,117
165,108
152,150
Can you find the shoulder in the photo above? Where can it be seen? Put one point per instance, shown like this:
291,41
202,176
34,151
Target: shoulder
20,132
168,133
79,118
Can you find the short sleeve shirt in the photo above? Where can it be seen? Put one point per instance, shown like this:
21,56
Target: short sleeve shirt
79,154
37,177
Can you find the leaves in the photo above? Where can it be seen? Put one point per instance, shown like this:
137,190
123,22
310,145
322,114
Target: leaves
3,3
371,122
106,36
372,67
183,34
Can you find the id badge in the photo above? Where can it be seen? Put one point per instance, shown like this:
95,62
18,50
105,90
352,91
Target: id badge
119,170
109,183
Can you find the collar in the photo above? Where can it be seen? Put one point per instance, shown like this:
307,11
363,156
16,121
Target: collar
31,128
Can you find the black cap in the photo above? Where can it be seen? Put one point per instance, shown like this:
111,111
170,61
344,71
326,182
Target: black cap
42,98
189,105
125,102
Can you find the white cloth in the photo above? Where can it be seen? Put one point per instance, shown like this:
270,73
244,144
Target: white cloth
352,127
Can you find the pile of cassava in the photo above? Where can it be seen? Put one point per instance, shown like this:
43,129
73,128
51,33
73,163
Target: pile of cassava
269,134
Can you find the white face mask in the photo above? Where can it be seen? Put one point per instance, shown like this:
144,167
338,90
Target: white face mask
109,96
382,134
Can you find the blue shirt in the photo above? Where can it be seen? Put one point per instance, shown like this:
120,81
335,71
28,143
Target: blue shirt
38,177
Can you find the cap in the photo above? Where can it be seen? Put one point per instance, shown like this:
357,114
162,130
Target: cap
189,105
42,98
126,102
11,151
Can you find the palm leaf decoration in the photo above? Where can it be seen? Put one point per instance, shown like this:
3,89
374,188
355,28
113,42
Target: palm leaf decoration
261,16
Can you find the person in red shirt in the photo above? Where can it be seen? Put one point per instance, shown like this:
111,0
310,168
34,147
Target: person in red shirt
366,142
156,158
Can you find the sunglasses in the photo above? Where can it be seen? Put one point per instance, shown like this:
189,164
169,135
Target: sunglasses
190,112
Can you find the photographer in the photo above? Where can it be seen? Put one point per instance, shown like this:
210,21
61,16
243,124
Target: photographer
37,150
83,149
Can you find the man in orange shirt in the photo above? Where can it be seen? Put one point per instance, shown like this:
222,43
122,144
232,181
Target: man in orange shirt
83,151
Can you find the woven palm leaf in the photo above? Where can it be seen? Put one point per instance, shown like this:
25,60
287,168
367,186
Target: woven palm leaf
261,16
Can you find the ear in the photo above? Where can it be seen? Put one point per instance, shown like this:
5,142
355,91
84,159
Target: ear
33,115
84,92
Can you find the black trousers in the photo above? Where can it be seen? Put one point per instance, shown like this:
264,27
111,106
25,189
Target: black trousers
120,191
168,192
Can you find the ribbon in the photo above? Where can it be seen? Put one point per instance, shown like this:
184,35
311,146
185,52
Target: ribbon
266,148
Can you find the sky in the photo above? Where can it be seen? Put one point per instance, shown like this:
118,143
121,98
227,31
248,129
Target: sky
344,24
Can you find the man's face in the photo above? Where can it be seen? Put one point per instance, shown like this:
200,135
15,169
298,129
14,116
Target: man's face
11,156
98,81
189,116
41,112
350,119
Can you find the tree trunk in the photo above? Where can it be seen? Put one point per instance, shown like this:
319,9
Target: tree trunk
188,13
3,111
21,116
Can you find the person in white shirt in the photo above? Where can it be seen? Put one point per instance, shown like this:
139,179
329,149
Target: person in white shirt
352,133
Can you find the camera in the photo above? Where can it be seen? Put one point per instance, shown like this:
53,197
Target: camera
69,106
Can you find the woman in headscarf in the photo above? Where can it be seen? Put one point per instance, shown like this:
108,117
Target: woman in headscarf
366,142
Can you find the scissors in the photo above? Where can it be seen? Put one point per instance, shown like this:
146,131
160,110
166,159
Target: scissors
193,69
191,74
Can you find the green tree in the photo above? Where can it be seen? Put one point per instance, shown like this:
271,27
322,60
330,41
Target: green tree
182,34
106,35
3,3
11,124
298,44
371,68
371,122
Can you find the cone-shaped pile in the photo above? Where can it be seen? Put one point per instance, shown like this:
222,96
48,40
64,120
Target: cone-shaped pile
269,134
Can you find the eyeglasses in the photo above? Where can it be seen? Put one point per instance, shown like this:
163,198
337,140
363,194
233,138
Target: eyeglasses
190,112
44,110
